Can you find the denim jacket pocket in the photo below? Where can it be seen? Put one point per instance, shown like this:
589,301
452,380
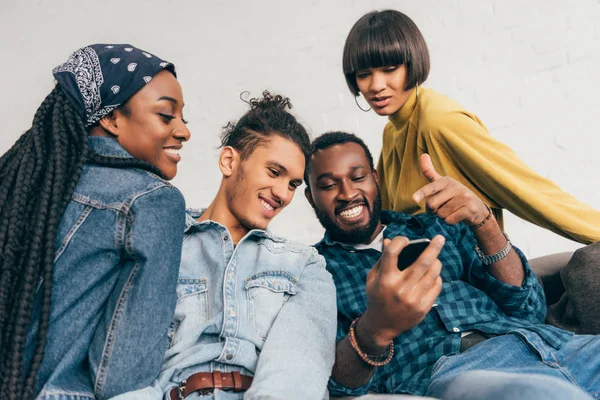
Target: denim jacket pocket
266,293
192,308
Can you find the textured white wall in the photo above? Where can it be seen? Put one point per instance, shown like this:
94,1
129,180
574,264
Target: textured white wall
528,69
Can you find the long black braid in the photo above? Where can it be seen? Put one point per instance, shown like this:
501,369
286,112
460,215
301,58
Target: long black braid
37,179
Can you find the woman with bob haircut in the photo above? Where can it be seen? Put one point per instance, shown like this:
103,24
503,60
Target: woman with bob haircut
91,230
386,60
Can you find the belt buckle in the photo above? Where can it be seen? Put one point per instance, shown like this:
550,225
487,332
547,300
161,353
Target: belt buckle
180,389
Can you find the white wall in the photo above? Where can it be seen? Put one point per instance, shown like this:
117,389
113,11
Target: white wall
528,69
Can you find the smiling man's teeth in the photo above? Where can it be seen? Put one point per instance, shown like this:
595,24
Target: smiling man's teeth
351,213
172,151
266,205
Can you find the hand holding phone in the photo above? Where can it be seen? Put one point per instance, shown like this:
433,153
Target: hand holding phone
398,301
411,252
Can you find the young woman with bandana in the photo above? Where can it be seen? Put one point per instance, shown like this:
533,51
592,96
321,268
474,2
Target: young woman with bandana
386,60
91,230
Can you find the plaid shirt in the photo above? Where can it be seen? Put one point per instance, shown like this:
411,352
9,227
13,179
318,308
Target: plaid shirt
471,299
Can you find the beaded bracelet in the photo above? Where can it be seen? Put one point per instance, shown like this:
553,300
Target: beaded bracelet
365,357
486,219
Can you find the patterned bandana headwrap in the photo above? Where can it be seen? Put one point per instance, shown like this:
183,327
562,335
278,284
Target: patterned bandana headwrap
100,77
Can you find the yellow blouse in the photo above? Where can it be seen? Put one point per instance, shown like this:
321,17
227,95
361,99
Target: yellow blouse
461,147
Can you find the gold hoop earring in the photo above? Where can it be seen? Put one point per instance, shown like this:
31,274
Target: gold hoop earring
417,90
358,105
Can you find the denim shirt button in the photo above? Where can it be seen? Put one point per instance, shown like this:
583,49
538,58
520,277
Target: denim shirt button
225,238
229,356
231,312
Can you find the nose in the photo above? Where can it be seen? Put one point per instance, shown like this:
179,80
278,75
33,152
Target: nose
282,192
347,192
182,132
377,83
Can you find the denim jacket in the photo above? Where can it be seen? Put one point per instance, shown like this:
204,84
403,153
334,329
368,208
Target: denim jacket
265,307
118,250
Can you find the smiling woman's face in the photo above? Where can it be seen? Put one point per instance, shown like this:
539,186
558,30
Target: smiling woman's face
151,126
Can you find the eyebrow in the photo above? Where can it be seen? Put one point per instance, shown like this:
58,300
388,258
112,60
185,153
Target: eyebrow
168,98
284,170
330,175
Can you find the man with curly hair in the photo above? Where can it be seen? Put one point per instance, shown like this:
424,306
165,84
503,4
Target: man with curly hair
256,313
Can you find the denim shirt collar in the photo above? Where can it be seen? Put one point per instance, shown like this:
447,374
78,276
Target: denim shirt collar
191,221
396,221
107,147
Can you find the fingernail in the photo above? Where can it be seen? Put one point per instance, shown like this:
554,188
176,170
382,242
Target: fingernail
417,198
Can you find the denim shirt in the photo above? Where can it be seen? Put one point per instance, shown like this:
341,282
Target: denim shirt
118,248
265,307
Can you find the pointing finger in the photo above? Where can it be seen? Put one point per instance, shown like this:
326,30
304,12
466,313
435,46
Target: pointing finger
427,168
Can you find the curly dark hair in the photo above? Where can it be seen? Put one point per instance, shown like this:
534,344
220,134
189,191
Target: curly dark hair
267,116
39,174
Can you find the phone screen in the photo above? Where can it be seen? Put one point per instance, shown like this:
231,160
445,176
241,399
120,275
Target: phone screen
411,252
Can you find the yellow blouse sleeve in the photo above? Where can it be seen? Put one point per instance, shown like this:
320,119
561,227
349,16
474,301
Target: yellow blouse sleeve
385,198
500,175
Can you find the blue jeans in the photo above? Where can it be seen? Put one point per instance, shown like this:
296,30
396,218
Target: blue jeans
520,366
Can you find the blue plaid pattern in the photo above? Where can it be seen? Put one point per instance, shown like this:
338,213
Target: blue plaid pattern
471,299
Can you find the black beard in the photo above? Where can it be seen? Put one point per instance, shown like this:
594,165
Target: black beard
357,235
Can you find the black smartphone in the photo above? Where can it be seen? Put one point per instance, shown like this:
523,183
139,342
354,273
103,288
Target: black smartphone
411,252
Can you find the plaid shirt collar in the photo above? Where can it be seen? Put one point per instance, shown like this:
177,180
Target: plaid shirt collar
397,223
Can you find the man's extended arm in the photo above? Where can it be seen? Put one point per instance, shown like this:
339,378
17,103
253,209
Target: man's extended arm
507,279
397,301
297,356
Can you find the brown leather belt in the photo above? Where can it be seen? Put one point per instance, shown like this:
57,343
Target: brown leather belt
208,381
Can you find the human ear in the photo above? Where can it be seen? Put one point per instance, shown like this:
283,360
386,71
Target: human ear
308,196
110,124
228,160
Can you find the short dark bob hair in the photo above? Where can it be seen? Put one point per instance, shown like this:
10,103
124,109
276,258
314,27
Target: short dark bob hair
382,38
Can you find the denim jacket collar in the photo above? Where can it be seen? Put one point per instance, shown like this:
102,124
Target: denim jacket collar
191,221
107,147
